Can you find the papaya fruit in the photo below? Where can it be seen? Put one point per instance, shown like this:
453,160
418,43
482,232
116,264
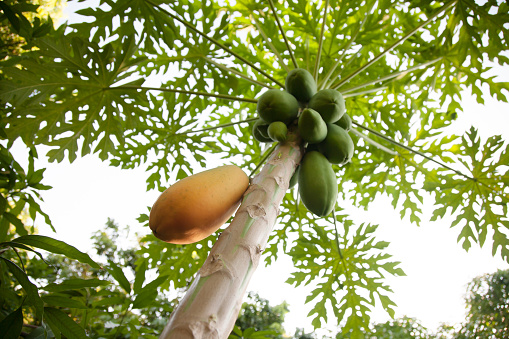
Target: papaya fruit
277,131
318,187
345,122
301,84
311,126
276,105
329,103
196,206
337,146
260,132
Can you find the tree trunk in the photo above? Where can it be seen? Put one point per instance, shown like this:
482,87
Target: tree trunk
212,303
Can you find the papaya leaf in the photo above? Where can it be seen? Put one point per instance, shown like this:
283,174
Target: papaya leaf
318,258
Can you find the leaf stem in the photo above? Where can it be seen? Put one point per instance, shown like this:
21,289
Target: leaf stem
368,91
324,83
320,43
234,71
214,41
373,142
269,43
217,127
288,47
394,45
205,94
391,76
412,150
267,154
337,234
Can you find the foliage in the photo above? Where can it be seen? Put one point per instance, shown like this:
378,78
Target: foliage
488,307
140,83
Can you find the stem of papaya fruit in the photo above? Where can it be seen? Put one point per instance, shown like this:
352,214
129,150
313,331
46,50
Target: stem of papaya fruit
262,161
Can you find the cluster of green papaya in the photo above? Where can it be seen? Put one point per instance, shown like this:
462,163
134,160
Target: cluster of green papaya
322,124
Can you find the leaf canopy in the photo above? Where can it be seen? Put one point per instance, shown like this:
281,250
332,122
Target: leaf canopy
172,85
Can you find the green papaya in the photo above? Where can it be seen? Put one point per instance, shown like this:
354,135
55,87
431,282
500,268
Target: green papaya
329,103
294,178
345,122
259,131
301,84
318,187
312,128
277,131
277,105
337,146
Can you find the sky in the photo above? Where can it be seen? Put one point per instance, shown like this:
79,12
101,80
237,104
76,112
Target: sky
88,192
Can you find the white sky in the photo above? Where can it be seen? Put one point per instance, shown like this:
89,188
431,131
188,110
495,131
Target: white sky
88,191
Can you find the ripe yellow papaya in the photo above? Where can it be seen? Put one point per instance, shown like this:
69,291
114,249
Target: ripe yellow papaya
345,122
312,128
337,146
196,206
276,105
329,103
260,132
277,131
318,187
301,84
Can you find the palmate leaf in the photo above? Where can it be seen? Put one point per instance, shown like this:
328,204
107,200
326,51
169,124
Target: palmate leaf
485,194
348,278
71,90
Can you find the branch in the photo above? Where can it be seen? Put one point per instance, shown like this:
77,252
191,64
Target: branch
214,41
394,45
288,47
204,94
269,43
234,71
320,43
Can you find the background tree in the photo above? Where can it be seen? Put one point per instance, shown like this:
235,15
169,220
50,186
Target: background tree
142,84
488,307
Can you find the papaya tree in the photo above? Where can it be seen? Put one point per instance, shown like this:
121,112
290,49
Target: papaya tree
172,85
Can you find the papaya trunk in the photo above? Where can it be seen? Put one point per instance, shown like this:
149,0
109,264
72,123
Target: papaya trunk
212,303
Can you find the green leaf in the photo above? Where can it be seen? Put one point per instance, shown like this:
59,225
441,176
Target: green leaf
30,289
118,274
61,301
12,324
63,323
56,246
75,284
